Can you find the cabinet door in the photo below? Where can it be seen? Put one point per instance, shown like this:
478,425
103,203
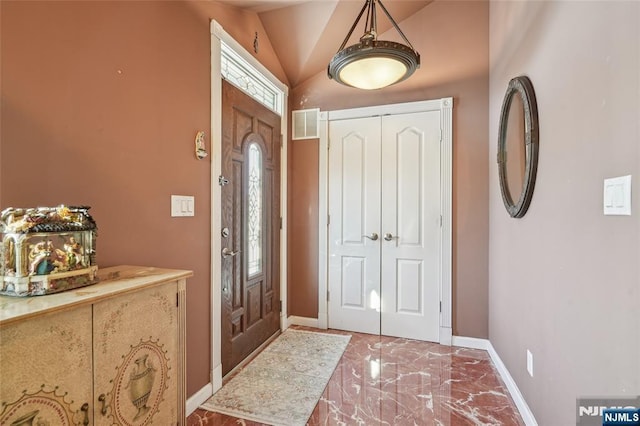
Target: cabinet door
136,359
45,370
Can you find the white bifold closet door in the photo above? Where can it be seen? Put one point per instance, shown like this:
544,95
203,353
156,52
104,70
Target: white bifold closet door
385,225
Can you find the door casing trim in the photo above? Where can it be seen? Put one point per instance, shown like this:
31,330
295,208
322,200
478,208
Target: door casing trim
445,106
218,35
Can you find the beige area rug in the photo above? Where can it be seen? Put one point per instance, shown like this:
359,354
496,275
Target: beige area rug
283,384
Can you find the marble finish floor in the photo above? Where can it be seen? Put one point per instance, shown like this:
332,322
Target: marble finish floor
393,381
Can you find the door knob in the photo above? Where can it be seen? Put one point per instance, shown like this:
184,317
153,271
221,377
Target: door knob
389,236
226,252
372,237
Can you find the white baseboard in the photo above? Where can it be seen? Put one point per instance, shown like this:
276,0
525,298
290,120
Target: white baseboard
523,407
516,395
304,321
446,336
216,378
198,398
470,342
323,321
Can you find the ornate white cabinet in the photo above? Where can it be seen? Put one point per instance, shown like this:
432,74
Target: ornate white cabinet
108,354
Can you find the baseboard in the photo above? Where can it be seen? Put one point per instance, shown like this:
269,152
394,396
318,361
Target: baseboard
216,378
516,395
304,321
470,342
446,337
199,398
523,407
323,320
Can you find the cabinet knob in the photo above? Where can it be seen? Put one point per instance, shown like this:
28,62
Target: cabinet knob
85,408
102,398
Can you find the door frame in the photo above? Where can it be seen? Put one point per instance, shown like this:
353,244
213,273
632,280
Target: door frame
219,35
445,106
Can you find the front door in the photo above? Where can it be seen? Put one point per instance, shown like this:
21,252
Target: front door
250,225
385,230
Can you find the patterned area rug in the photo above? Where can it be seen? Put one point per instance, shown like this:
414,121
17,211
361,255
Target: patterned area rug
283,384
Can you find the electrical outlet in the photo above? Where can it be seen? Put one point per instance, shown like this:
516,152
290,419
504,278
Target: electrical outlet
530,362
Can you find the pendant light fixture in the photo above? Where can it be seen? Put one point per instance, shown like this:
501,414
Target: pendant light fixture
372,63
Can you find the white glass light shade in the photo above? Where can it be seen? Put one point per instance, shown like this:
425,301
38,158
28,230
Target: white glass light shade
372,73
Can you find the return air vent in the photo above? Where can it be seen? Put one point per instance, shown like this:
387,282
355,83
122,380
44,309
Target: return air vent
305,124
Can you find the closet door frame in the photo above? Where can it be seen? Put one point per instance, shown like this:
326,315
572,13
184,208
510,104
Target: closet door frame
445,106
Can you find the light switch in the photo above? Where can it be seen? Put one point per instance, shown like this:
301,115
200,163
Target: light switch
617,196
182,205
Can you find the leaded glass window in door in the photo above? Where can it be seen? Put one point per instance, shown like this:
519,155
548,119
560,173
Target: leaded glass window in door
255,208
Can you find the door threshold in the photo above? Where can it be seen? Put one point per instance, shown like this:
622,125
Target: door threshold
249,358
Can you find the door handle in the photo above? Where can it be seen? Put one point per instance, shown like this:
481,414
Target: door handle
389,236
226,252
372,237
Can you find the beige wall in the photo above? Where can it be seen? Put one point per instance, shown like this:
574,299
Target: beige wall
452,38
565,279
101,102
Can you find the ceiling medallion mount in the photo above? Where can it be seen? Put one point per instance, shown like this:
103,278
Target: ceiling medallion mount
372,63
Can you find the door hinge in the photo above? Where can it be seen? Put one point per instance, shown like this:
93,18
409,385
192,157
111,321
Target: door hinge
280,222
222,181
440,307
280,306
177,300
440,135
328,219
327,295
441,221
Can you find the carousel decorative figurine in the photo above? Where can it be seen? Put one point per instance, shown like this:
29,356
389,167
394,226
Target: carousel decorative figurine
46,250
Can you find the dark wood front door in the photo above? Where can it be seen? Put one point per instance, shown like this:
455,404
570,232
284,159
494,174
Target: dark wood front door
251,223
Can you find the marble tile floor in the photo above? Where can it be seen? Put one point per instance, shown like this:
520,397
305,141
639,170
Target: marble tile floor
393,381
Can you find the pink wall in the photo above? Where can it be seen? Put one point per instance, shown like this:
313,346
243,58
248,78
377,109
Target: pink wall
452,38
101,102
565,279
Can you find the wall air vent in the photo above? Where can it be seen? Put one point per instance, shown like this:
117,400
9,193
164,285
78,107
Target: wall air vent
306,124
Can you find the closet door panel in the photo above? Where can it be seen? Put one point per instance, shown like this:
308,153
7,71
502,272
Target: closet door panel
354,210
411,225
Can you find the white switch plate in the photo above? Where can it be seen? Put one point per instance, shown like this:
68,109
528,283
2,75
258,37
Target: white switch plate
617,196
529,362
182,205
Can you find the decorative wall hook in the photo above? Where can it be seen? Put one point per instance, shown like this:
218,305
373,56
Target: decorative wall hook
201,150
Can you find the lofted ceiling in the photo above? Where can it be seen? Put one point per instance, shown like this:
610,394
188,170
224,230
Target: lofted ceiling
306,34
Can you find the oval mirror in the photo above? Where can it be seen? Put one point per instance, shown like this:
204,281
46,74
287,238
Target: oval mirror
518,146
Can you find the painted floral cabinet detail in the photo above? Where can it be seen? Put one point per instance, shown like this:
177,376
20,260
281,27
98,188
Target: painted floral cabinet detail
111,354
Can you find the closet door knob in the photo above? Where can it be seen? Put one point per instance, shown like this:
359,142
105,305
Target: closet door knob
372,237
389,236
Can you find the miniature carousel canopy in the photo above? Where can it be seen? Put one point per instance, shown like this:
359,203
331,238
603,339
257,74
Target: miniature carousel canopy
46,250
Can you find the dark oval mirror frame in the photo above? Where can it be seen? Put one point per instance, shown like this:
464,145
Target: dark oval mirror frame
519,86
